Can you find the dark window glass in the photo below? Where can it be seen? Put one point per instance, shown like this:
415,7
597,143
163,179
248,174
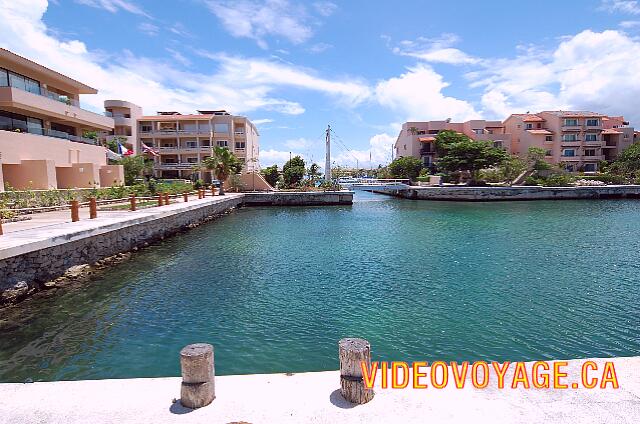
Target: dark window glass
4,78
17,81
34,126
32,86
5,120
19,122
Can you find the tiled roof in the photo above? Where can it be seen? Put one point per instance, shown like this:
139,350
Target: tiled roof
529,117
174,117
611,131
545,132
426,139
573,113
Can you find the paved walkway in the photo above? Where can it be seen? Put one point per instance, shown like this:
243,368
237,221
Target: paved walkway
51,228
315,398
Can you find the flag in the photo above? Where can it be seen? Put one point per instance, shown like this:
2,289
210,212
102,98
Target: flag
112,155
148,150
124,151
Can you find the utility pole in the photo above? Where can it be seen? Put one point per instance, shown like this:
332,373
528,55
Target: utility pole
327,160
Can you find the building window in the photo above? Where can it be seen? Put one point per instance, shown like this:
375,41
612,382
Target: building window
593,122
478,131
15,122
570,167
497,143
223,143
590,137
145,128
405,147
626,135
538,125
192,160
569,152
589,167
192,144
8,78
529,126
4,78
569,137
589,152
548,138
549,152
240,144
570,123
221,128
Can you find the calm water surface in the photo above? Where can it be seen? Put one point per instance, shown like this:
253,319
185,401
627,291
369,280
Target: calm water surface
275,288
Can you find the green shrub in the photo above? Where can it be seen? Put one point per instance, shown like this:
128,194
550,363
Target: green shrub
531,180
559,180
605,178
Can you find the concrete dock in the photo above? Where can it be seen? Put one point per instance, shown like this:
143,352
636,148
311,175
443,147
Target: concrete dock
315,398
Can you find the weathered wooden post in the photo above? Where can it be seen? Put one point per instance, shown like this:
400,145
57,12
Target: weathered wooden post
185,196
75,211
198,374
160,203
213,190
93,208
166,199
132,200
352,353
1,232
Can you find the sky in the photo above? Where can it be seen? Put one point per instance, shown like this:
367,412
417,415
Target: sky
364,67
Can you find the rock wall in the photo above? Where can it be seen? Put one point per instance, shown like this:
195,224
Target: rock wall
26,273
292,198
484,194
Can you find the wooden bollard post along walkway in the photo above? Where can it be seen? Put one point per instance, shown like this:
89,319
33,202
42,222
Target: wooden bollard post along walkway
132,200
93,208
75,211
198,374
352,353
166,199
185,196
160,199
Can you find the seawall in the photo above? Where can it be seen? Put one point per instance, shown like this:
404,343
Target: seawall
31,258
484,194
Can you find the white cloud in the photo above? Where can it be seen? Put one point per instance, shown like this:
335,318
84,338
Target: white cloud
178,57
240,84
300,144
256,19
276,157
379,153
149,29
624,6
114,6
262,121
418,95
435,50
320,47
629,24
325,8
588,71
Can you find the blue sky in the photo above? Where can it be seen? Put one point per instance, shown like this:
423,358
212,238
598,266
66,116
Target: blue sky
362,66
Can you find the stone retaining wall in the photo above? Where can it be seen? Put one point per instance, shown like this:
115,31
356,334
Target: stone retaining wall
484,194
291,198
26,273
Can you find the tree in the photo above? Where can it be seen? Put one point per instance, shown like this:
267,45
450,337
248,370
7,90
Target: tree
535,157
270,174
313,172
293,171
405,167
628,162
446,139
222,163
512,168
471,156
133,167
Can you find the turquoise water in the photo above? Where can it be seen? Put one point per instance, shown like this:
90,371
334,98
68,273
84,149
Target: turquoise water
274,289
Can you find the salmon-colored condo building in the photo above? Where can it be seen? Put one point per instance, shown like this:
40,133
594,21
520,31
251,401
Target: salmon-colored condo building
577,140
45,136
418,138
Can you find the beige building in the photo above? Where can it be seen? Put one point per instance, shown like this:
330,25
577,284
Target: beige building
182,142
125,118
43,143
418,138
578,140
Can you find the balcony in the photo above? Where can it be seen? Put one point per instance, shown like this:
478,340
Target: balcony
598,141
175,133
180,165
571,128
52,133
575,142
20,100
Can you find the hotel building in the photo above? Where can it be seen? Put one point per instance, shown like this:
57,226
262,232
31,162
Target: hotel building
578,140
43,130
418,138
182,142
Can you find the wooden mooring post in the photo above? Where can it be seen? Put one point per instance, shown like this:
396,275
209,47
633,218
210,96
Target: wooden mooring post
198,375
185,196
352,353
160,200
132,200
75,211
213,190
166,199
93,208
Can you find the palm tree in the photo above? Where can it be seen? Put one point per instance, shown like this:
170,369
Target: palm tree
222,163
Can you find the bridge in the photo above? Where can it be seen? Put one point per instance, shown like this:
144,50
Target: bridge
370,184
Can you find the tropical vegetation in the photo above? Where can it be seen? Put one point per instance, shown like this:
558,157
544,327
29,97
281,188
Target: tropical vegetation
222,163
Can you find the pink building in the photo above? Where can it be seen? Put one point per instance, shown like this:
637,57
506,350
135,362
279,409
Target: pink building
578,140
418,138
45,136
